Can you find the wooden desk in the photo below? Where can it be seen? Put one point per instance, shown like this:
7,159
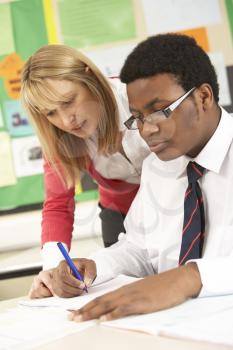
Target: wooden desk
105,338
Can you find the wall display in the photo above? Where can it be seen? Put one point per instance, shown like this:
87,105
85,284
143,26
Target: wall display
7,172
106,31
27,156
16,119
6,40
175,15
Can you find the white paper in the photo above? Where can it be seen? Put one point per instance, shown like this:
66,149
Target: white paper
189,313
25,328
77,302
110,60
46,319
174,15
217,328
217,60
27,156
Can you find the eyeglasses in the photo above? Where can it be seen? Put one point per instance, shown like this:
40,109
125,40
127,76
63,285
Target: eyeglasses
136,122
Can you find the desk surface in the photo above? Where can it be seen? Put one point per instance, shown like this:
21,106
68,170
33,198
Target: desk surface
104,338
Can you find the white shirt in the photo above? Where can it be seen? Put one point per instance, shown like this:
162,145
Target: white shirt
115,166
155,220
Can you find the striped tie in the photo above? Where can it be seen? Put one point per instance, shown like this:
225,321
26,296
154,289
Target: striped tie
194,216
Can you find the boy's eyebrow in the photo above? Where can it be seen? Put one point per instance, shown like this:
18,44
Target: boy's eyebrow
149,104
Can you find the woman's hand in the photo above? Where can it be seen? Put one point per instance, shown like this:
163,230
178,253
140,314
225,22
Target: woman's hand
42,285
65,285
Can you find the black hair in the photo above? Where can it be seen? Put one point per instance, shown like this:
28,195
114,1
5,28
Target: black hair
172,53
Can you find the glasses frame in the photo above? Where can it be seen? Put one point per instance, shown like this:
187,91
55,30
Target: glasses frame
166,111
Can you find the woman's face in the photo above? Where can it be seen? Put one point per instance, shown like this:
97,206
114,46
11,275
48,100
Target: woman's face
80,114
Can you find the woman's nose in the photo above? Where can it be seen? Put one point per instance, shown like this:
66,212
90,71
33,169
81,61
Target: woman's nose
68,119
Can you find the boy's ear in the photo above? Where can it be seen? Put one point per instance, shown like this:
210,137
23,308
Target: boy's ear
206,96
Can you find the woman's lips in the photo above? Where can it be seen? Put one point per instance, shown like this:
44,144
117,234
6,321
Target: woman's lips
78,127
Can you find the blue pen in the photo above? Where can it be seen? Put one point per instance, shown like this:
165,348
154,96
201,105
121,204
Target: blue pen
71,264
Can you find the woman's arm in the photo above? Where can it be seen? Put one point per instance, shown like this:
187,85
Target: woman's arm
57,216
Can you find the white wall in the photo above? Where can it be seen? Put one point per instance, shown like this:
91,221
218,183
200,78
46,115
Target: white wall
23,230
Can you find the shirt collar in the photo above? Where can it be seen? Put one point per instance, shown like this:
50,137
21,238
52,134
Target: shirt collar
213,154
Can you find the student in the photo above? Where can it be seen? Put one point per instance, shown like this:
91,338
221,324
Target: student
78,115
180,225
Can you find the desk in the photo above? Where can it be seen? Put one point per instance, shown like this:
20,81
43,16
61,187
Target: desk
105,338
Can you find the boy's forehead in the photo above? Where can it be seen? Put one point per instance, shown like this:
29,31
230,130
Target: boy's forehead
161,86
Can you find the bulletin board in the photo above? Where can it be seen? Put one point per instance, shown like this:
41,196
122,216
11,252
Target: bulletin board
106,31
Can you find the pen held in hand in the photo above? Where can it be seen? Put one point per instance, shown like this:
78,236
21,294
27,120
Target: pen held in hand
72,266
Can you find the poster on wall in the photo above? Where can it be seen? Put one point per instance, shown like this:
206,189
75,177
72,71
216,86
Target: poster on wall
27,156
90,23
6,40
16,120
175,15
111,60
7,173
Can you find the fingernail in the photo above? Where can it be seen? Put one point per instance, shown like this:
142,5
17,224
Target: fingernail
103,318
71,317
82,285
88,282
78,318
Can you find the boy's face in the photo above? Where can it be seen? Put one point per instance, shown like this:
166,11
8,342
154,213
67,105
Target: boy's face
182,132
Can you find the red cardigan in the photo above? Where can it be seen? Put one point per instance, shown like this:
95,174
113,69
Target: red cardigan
59,204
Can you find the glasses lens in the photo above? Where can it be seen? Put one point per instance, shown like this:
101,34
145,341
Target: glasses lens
135,124
155,117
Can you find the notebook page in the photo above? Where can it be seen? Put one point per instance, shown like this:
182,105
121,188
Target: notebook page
77,302
193,310
216,328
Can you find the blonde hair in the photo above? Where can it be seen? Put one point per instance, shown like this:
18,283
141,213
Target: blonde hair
67,153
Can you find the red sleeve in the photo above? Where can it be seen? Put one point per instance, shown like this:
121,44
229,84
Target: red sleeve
58,209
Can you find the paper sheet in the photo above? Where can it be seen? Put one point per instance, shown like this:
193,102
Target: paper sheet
46,319
188,320
217,328
208,319
77,302
25,328
27,156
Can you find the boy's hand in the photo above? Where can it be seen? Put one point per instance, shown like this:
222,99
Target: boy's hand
152,293
65,285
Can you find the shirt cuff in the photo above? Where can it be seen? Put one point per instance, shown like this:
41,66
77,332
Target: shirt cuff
215,276
105,270
51,255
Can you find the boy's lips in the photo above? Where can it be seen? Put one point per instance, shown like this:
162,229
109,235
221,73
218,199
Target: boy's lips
158,146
